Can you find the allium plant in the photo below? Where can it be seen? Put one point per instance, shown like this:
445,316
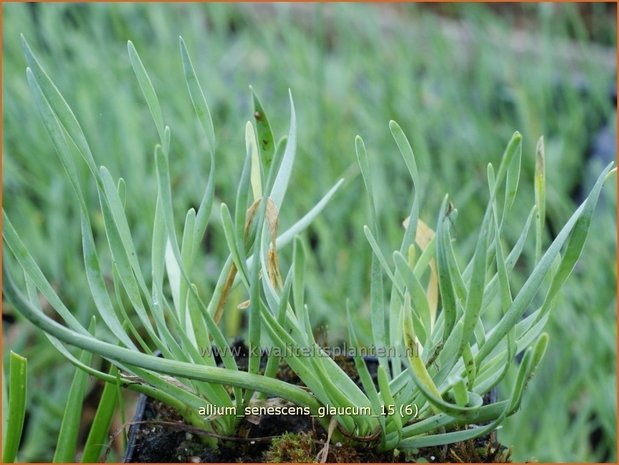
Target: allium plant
449,333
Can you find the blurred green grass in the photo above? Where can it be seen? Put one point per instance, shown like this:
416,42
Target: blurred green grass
458,82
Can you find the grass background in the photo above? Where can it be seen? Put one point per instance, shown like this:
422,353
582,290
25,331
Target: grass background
459,79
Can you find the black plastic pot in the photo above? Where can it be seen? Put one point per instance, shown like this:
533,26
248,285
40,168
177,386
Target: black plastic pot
134,428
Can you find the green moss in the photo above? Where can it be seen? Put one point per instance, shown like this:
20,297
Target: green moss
292,447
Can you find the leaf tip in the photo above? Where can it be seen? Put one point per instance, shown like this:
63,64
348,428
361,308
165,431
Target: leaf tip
539,148
490,170
23,40
291,102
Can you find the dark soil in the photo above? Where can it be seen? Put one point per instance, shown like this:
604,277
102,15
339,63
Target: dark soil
161,435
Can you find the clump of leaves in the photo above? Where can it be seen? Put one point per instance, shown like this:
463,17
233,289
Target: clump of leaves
447,334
